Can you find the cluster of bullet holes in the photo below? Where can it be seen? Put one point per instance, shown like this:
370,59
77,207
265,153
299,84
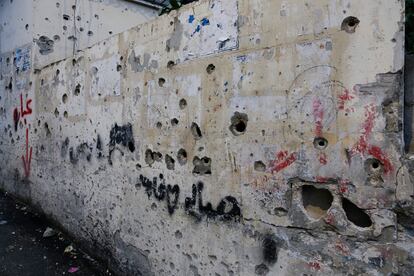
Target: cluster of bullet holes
195,130
320,143
238,123
349,24
152,156
210,68
317,202
182,156
202,165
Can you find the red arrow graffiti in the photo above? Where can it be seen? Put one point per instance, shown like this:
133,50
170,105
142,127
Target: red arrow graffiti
28,158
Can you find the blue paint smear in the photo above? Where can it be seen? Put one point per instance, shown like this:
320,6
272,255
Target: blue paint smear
191,18
205,22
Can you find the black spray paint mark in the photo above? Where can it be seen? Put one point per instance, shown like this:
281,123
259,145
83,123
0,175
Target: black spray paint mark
83,151
269,249
227,209
121,135
162,191
64,148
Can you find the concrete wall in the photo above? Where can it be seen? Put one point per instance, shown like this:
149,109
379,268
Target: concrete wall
231,137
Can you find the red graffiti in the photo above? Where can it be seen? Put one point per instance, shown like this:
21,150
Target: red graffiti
323,159
330,219
283,161
23,112
343,186
342,248
28,158
363,147
314,265
318,117
343,98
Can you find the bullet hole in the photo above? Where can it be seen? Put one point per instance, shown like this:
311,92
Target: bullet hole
48,133
26,27
56,112
157,156
57,5
149,157
202,166
373,167
118,67
65,28
170,64
90,33
182,157
195,130
138,166
57,72
320,143
259,166
210,68
174,121
182,104
131,146
64,98
316,201
349,24
65,114
45,45
269,246
178,234
158,125
66,17
77,89
355,214
78,18
238,123
170,162
161,82
261,269
96,16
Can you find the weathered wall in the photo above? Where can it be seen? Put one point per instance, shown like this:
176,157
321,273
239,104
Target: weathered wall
228,138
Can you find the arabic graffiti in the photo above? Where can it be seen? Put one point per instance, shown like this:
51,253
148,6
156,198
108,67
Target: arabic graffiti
27,160
17,115
227,209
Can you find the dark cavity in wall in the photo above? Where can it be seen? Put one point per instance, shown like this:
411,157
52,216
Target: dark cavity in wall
202,166
259,166
182,156
170,162
349,24
238,123
269,246
64,148
316,201
152,156
123,136
355,214
45,45
196,131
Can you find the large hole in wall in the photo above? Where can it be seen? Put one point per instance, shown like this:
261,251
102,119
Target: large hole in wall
196,131
355,214
349,24
316,201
